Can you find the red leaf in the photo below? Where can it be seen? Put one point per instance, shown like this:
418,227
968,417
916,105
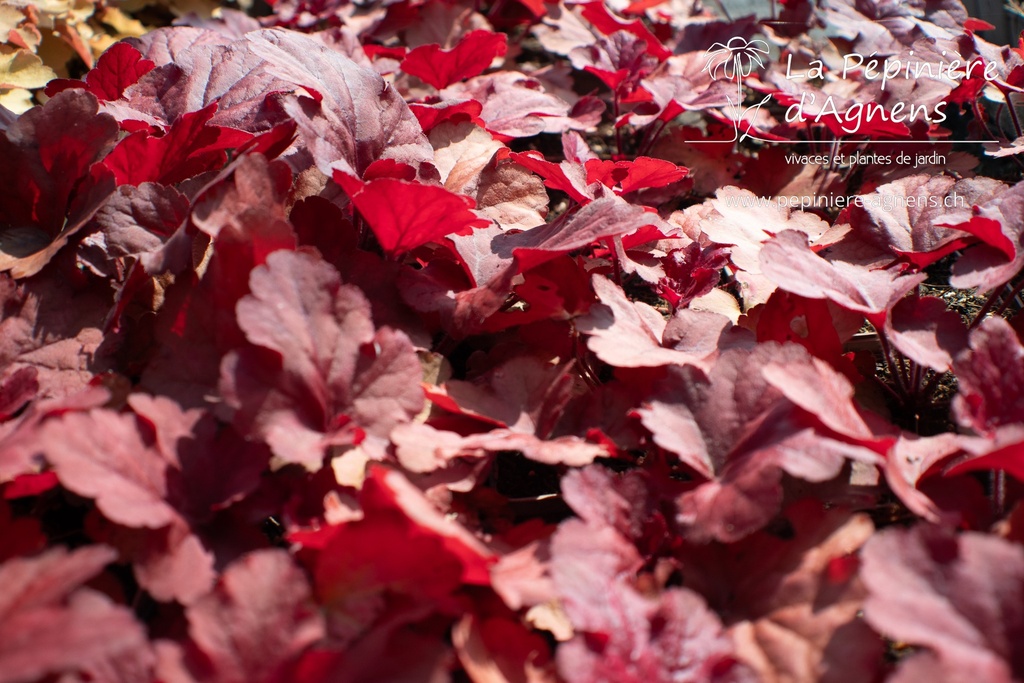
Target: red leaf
191,146
607,23
403,559
440,68
630,176
118,67
432,115
405,215
564,177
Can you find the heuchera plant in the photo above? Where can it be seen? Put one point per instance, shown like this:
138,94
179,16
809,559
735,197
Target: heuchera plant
513,342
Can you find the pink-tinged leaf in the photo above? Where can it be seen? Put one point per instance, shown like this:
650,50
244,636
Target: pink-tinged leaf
51,626
325,92
925,331
344,93
603,218
986,266
118,67
619,60
212,465
191,146
516,105
421,448
523,393
911,460
823,392
631,334
990,378
622,634
164,45
524,397
251,200
19,448
630,176
440,68
959,595
909,215
170,563
258,617
733,428
631,503
789,262
793,612
316,373
102,455
405,215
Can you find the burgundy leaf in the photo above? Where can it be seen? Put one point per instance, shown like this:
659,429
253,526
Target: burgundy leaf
51,186
316,374
134,221
17,389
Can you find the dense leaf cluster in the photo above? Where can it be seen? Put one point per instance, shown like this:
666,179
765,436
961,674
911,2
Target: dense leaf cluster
428,341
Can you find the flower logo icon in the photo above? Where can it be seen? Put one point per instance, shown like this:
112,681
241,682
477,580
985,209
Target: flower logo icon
736,58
